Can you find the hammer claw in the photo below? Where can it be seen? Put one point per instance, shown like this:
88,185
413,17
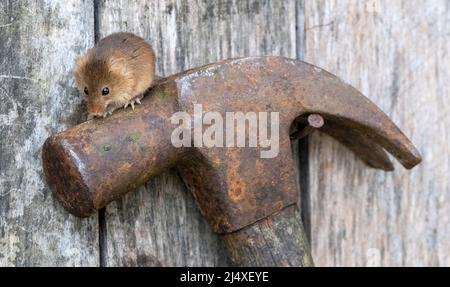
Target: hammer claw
354,119
369,152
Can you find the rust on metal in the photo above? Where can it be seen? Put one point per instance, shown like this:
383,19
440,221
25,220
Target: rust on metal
98,161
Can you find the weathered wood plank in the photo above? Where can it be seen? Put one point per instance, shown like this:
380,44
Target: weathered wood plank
396,53
38,43
160,223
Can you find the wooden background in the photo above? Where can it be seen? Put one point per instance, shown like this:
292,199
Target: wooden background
395,52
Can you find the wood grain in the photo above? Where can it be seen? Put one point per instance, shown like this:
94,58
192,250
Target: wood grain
38,43
396,53
160,223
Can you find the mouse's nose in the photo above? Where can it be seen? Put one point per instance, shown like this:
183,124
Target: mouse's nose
95,109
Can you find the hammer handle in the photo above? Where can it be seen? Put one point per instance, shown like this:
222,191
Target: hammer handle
276,241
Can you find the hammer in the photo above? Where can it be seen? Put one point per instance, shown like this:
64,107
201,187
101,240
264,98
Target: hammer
250,201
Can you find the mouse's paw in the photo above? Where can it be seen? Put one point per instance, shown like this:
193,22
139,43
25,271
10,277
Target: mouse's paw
129,103
108,112
133,101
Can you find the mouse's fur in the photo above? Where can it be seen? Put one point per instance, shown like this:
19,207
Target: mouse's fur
122,62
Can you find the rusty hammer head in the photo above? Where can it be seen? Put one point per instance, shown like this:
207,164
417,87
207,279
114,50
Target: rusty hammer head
96,162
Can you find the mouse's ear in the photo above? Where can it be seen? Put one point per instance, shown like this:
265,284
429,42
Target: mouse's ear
119,65
80,63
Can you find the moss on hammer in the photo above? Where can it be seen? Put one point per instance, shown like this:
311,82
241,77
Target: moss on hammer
105,147
134,137
162,94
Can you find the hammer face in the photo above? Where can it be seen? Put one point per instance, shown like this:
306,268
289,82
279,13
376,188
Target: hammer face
64,175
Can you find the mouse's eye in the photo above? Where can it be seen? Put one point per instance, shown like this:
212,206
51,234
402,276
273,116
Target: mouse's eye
86,91
105,91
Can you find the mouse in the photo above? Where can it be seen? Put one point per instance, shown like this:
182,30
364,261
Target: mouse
115,73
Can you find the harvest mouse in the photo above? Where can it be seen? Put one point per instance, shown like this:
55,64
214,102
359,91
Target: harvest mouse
115,73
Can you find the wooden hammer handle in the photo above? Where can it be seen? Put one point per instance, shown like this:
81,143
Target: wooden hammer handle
278,240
